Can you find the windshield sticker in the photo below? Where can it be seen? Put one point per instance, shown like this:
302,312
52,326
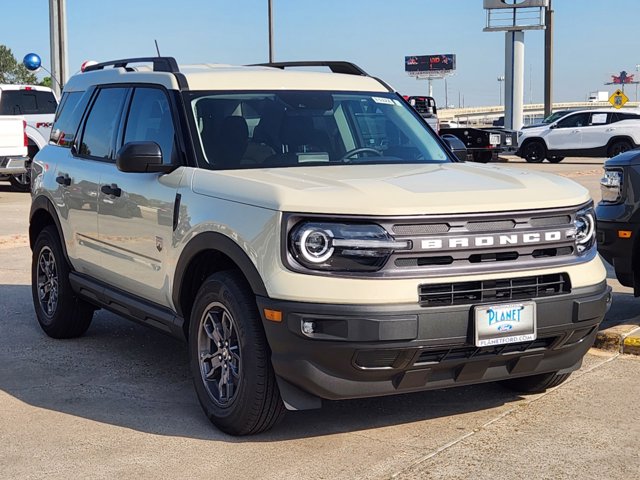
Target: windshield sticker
397,102
386,101
598,118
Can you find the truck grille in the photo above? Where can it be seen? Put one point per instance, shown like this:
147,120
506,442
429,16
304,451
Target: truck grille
465,293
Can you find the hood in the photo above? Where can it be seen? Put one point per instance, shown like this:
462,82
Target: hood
392,190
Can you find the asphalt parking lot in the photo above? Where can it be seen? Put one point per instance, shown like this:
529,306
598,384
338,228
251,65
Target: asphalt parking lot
119,403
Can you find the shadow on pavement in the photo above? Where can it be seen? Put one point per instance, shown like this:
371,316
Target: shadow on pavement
124,374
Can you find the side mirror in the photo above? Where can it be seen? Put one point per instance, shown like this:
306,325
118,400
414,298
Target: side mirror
141,157
553,125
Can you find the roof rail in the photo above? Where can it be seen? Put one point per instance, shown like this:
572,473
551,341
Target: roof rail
160,64
336,67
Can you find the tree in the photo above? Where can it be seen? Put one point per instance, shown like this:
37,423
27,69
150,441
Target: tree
11,71
47,82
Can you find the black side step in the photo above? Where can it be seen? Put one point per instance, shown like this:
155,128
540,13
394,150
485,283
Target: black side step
127,305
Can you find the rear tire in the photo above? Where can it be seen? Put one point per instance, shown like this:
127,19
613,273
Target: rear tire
60,312
22,182
618,147
230,359
555,159
482,157
536,383
534,151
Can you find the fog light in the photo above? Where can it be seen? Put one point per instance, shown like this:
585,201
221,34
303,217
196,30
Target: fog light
308,327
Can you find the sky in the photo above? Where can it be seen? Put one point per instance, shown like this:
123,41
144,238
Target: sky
594,39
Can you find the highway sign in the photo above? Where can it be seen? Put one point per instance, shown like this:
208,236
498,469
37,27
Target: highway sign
618,99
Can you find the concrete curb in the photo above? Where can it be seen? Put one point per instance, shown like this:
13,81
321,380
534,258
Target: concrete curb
620,338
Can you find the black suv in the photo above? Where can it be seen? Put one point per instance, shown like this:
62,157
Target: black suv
618,215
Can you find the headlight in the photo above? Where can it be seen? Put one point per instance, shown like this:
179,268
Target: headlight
611,186
342,247
585,223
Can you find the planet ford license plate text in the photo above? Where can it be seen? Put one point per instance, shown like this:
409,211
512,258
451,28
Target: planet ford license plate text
505,323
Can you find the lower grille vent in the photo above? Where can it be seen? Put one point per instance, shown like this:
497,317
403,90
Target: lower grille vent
463,353
464,293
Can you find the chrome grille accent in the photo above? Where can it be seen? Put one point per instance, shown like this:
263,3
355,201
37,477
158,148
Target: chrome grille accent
490,226
420,229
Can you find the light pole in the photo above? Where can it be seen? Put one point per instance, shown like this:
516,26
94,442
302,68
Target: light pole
500,80
270,32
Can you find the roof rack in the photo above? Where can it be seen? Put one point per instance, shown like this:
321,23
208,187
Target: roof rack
160,64
347,68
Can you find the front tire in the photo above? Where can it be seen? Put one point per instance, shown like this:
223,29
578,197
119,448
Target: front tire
534,152
230,358
60,312
536,383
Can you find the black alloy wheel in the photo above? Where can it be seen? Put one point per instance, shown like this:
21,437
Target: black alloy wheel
618,147
534,152
230,359
60,313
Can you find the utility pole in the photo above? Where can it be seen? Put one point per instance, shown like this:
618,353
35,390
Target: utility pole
270,31
548,61
58,42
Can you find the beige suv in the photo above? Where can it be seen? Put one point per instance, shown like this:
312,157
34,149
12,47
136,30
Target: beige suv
308,235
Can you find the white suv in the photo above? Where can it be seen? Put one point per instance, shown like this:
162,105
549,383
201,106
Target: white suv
587,133
308,234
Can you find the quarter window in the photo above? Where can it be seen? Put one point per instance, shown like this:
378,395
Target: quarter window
150,120
100,128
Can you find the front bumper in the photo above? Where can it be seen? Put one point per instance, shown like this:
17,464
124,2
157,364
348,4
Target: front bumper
13,165
373,350
618,251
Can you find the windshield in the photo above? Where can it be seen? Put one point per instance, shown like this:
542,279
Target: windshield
556,115
303,128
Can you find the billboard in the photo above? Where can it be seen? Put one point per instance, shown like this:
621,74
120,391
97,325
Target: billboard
417,64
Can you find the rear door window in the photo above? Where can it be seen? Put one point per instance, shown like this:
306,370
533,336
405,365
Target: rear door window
98,138
27,102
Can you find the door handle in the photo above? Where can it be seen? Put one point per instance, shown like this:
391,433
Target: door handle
111,190
63,180
609,129
576,131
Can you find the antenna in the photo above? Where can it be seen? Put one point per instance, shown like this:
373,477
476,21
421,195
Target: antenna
157,49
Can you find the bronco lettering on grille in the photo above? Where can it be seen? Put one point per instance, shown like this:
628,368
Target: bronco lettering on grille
496,240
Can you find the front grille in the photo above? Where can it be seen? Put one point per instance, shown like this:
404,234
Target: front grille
503,290
465,353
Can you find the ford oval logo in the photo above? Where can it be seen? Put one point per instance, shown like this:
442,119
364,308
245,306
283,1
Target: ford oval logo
505,328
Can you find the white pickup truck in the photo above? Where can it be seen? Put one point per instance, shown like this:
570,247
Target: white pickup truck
35,107
13,149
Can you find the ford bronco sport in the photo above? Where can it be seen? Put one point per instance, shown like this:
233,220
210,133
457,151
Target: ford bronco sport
308,235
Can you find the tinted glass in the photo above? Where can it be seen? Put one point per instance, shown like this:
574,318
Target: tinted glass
150,120
100,128
576,120
282,129
27,102
68,118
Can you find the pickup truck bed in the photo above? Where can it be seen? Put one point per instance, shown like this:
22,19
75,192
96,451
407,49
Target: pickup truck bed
13,149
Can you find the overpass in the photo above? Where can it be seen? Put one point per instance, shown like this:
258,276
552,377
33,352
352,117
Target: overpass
487,114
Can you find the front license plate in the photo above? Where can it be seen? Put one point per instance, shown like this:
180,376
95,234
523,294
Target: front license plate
505,323
494,139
